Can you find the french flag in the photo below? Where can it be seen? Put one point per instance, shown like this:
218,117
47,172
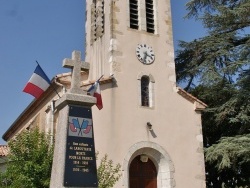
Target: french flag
38,83
95,91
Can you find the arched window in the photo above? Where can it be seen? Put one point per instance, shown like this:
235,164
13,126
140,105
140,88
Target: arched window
145,91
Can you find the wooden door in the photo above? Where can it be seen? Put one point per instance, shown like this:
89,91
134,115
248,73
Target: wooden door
142,174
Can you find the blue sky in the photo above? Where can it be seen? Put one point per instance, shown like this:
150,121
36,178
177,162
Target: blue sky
48,31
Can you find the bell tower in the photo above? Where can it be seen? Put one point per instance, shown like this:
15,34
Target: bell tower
144,115
115,28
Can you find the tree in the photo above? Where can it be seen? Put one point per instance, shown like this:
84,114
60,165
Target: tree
216,69
108,173
222,54
231,159
30,161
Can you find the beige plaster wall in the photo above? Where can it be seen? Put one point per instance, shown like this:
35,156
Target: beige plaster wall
122,122
120,127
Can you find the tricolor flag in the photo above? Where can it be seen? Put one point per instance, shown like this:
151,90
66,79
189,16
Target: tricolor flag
38,83
95,91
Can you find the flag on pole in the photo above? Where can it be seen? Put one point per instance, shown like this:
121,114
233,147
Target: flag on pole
95,91
38,83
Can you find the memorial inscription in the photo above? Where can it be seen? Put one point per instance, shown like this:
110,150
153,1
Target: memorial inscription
80,162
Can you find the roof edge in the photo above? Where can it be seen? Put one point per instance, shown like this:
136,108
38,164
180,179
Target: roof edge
34,103
199,105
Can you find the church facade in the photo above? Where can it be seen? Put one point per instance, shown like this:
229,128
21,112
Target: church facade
147,124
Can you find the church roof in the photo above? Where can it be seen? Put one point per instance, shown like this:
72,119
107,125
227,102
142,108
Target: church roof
199,105
65,79
58,80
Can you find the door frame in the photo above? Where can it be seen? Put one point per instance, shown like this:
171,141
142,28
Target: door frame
161,159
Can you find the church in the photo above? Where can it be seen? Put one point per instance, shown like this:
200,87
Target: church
147,124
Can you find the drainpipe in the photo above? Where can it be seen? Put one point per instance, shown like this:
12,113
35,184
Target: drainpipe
52,120
53,110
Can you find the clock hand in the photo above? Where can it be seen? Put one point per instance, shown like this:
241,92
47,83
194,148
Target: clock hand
149,55
145,56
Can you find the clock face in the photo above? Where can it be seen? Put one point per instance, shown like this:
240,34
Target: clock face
145,54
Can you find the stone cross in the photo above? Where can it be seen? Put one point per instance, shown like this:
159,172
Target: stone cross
74,103
76,65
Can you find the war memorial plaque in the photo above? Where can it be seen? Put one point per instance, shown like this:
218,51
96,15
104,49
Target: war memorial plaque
80,161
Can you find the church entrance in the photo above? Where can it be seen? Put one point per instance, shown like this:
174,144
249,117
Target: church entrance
142,173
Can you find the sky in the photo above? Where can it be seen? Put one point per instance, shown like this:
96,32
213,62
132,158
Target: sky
48,31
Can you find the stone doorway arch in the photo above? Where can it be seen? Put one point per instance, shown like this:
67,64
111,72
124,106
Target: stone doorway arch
161,159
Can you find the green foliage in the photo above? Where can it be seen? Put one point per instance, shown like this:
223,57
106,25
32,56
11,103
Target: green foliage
216,69
231,159
228,112
225,52
228,149
30,161
108,173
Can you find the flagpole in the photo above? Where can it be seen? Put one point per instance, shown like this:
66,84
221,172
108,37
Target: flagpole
100,78
50,82
37,63
95,91
93,85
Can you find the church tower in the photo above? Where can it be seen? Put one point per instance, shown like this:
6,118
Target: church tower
148,125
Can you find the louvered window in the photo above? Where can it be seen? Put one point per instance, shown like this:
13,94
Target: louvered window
97,20
150,16
133,7
145,91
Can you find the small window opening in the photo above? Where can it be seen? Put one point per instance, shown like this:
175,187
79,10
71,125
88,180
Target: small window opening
150,16
99,20
145,91
133,7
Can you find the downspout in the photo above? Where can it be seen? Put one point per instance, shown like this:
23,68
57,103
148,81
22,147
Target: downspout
59,84
53,110
52,121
